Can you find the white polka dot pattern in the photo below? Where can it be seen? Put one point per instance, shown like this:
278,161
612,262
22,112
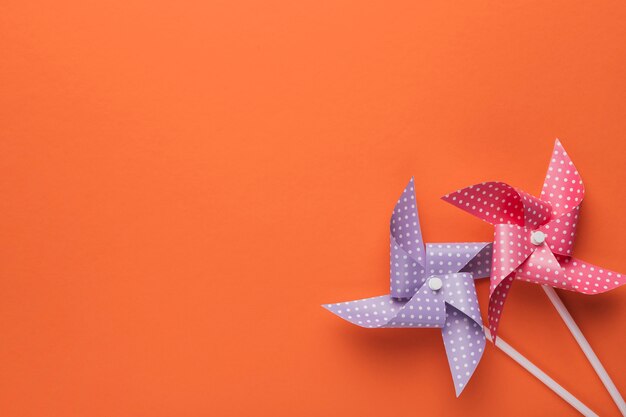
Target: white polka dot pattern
425,309
511,247
453,307
561,232
563,187
496,303
464,341
447,258
406,246
499,203
460,292
480,265
516,215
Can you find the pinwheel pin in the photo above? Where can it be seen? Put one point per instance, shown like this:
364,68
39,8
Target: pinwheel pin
533,241
432,285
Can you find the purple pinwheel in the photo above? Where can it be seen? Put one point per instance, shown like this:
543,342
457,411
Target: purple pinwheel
431,286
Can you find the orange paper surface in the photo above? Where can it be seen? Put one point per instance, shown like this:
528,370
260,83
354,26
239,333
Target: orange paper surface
183,184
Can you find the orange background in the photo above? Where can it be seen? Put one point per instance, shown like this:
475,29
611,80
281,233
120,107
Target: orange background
184,183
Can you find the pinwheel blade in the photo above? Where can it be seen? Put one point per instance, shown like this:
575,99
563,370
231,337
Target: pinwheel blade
496,303
498,203
563,187
510,249
561,232
425,309
464,341
448,258
463,334
588,278
406,246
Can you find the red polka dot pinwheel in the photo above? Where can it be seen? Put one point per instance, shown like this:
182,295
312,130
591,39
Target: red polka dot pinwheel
534,238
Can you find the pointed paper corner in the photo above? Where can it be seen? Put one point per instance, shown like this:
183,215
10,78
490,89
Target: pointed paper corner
410,183
458,390
405,217
563,186
559,151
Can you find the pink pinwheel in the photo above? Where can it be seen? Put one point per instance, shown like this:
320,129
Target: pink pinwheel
534,237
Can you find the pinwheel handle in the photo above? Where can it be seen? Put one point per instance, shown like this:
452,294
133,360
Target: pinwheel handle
586,348
540,375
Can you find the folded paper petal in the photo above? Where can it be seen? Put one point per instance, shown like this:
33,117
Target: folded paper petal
464,340
588,278
510,249
536,211
500,203
454,308
406,245
561,232
563,187
425,309
496,303
480,265
459,291
493,202
448,258
568,273
543,268
406,275
380,310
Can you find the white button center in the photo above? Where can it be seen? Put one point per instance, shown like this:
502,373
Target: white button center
537,237
435,283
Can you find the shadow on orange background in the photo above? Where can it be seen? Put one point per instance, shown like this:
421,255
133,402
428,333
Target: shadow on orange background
184,184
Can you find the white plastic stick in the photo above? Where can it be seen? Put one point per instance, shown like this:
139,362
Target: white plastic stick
586,348
540,375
